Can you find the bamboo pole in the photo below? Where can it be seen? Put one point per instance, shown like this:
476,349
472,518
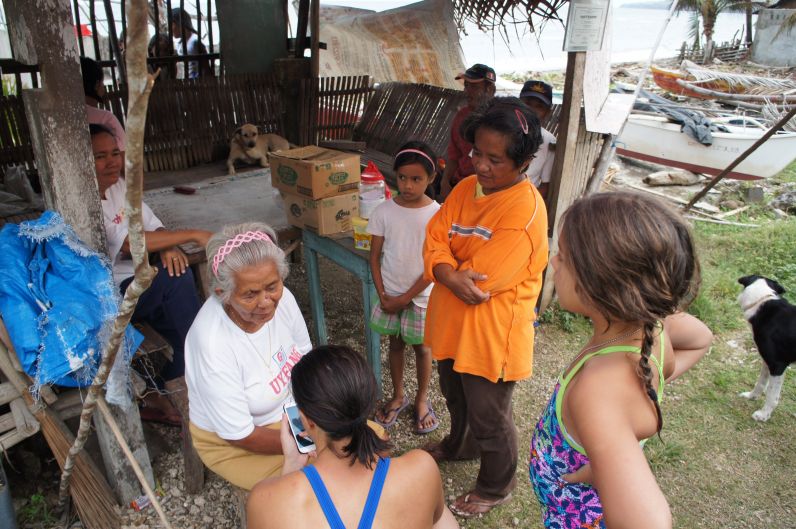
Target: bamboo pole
140,86
106,413
716,179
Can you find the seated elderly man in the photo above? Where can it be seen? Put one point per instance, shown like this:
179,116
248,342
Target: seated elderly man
170,304
239,355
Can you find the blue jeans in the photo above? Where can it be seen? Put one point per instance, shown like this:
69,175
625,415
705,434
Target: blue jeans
169,306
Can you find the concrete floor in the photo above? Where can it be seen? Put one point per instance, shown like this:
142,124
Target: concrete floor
219,199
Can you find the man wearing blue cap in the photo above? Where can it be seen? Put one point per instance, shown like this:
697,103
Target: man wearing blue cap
539,96
479,87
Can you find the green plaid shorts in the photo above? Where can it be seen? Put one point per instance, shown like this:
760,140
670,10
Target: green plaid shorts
409,324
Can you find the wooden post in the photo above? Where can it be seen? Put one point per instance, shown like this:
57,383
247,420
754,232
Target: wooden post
563,186
56,114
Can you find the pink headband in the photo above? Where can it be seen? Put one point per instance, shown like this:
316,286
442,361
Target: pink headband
421,153
239,240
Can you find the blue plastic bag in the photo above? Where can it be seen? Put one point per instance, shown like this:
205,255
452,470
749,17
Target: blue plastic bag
58,301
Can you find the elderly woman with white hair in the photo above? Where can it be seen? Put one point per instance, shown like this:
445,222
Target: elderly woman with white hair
239,354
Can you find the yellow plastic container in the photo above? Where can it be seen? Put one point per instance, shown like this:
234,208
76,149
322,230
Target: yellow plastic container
361,235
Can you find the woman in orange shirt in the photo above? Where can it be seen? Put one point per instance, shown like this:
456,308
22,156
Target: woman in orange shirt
486,250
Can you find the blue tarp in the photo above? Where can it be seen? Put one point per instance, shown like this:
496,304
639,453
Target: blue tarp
58,301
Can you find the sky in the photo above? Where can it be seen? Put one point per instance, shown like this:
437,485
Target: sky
635,32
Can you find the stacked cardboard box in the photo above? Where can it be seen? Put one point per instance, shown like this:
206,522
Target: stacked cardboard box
320,187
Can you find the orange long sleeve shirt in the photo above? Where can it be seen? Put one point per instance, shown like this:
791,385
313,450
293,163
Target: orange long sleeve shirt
504,236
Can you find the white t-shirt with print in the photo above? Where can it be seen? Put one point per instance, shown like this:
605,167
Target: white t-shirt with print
404,232
541,167
116,231
237,380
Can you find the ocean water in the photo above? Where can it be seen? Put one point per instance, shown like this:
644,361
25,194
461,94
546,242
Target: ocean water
634,34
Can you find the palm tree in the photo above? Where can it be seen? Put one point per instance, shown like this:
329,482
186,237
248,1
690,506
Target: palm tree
708,11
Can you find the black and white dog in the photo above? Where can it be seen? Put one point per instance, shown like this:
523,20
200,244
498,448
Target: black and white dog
773,322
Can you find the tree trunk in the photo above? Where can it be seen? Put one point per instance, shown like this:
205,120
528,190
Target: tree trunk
749,36
709,44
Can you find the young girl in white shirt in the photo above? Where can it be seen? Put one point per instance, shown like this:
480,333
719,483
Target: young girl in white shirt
398,229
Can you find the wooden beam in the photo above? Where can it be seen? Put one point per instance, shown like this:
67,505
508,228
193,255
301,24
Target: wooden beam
56,114
562,185
301,30
315,28
117,55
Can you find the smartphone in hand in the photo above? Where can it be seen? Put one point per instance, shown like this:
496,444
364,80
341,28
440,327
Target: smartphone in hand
303,442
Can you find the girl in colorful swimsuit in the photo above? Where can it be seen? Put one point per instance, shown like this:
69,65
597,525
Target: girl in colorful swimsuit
629,264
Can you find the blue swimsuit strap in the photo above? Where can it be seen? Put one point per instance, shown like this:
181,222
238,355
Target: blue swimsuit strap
374,494
371,504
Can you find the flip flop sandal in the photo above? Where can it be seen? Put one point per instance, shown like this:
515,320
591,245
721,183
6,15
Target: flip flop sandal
419,421
395,412
484,506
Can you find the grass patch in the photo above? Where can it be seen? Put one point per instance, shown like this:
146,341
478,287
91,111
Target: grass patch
729,252
565,320
36,512
788,175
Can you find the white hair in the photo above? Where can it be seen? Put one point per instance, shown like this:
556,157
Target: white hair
253,253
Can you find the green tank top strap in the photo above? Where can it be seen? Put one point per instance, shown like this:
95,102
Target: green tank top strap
565,379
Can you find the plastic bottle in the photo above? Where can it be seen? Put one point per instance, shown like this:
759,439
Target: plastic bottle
372,190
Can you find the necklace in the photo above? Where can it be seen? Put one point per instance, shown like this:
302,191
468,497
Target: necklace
240,324
622,336
599,345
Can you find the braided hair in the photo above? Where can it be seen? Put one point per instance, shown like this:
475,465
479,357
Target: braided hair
633,259
335,388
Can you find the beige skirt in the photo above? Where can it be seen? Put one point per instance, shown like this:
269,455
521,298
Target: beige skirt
243,468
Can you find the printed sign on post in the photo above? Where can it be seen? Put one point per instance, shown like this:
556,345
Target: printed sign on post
586,25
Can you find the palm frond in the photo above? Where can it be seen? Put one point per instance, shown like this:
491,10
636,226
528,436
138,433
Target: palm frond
694,29
751,83
772,113
787,25
501,14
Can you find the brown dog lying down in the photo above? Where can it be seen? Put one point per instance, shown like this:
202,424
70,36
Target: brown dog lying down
249,145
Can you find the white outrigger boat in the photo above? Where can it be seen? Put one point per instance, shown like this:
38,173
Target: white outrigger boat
654,138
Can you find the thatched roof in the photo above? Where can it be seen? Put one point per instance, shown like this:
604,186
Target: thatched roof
500,14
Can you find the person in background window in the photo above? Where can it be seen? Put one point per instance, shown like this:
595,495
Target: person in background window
186,42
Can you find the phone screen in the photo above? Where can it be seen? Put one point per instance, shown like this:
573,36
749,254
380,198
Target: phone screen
296,427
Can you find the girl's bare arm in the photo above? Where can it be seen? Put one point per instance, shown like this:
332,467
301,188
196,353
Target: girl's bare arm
690,339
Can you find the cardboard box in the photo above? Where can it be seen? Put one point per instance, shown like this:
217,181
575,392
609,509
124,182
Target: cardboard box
326,216
314,171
